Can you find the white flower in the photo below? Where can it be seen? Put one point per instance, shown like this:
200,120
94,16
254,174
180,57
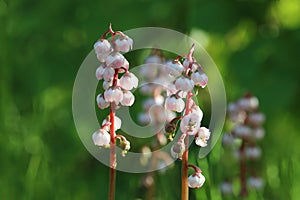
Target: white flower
117,124
115,60
128,98
252,152
248,103
196,180
108,73
186,65
102,49
242,131
113,94
256,119
123,43
129,81
184,84
199,78
175,104
190,123
99,72
102,104
101,138
255,182
202,137
174,68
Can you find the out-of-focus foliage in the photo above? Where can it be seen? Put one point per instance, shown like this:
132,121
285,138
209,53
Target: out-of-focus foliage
256,45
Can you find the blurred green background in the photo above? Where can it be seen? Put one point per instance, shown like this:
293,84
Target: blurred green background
255,44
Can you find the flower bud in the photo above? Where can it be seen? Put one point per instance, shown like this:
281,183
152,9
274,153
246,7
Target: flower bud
248,103
226,188
108,73
252,153
99,72
227,140
255,183
178,149
241,131
256,119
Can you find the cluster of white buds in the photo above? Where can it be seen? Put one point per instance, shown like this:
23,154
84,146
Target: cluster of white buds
116,90
242,140
188,74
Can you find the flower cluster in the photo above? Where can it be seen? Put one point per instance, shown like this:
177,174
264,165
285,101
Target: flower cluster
242,142
188,74
116,90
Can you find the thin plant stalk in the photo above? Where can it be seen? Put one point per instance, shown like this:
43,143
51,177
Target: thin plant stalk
185,157
113,157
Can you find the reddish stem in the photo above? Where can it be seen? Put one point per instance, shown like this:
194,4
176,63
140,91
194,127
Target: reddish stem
113,157
185,157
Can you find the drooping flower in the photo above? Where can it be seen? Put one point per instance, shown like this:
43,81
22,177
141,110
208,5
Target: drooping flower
196,180
175,104
103,49
128,98
123,43
199,78
101,138
113,94
115,60
102,104
129,81
184,84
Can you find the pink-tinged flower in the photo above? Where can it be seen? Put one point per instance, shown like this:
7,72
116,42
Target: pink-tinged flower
196,180
102,104
178,149
199,78
101,138
186,65
102,49
241,131
123,43
99,72
108,73
174,68
202,137
248,103
117,124
184,84
190,123
175,104
255,182
115,60
196,109
113,94
128,98
252,152
256,119
129,81
107,84
170,115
